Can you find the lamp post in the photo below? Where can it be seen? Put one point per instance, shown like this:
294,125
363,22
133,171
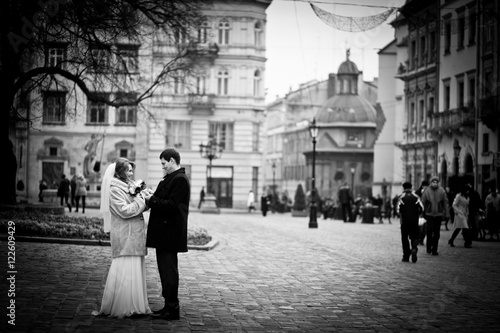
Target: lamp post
313,222
211,151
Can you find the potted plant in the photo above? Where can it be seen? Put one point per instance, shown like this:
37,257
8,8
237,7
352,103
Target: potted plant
299,204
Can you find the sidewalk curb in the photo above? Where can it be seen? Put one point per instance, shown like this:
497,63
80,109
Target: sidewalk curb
73,241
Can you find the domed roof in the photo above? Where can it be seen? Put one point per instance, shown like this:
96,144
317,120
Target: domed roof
348,67
347,108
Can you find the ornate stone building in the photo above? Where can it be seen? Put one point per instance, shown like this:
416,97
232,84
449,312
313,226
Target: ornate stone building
348,127
224,99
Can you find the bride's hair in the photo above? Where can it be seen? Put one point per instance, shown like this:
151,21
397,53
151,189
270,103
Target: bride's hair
122,168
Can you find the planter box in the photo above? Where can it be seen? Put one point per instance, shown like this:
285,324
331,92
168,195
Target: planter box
300,213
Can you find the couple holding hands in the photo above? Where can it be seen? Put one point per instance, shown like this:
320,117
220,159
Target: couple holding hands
123,204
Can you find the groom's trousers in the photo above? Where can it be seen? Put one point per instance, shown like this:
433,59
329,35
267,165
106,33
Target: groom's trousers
169,276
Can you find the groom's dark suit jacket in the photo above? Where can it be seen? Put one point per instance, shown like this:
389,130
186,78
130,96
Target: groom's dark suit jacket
167,228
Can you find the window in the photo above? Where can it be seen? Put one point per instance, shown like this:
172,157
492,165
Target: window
423,50
178,84
123,153
201,82
52,151
446,94
99,58
180,36
413,54
127,58
432,46
54,107
178,134
223,134
460,32
222,82
56,56
256,83
430,106
411,116
354,138
203,33
488,82
460,92
472,27
255,136
486,142
472,91
224,32
258,34
126,115
447,36
421,112
97,112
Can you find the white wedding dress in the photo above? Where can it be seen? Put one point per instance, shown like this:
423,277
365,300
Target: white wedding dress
125,292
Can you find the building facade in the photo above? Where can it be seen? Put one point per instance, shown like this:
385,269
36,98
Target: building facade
451,92
348,126
223,99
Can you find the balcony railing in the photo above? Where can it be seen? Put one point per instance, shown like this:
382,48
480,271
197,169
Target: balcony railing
456,120
201,104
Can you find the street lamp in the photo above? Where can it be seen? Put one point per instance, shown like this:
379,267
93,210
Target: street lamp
211,151
313,222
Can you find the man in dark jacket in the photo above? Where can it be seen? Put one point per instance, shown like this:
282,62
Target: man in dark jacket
409,208
475,204
63,191
436,209
167,229
345,199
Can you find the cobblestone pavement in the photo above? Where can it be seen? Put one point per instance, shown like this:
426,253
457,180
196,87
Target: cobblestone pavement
272,274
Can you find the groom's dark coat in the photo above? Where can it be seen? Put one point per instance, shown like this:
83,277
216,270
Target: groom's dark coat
167,228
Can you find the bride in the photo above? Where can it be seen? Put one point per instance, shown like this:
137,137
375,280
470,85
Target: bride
125,291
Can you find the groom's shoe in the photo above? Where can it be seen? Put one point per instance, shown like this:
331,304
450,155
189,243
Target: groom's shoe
159,311
166,315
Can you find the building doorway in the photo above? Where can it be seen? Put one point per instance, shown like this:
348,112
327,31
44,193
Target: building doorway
221,185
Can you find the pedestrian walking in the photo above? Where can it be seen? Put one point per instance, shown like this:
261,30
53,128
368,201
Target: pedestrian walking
63,191
451,197
41,187
125,292
265,202
73,189
475,205
409,209
461,209
202,197
251,201
422,228
80,192
345,199
167,229
492,204
436,209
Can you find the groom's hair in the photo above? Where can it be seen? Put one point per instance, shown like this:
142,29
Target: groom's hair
168,153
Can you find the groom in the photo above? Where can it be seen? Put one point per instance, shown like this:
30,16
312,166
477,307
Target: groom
167,229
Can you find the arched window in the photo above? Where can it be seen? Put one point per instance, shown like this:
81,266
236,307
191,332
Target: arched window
257,80
222,81
224,28
258,33
203,33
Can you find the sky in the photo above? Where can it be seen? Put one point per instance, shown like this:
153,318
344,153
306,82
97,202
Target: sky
300,47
